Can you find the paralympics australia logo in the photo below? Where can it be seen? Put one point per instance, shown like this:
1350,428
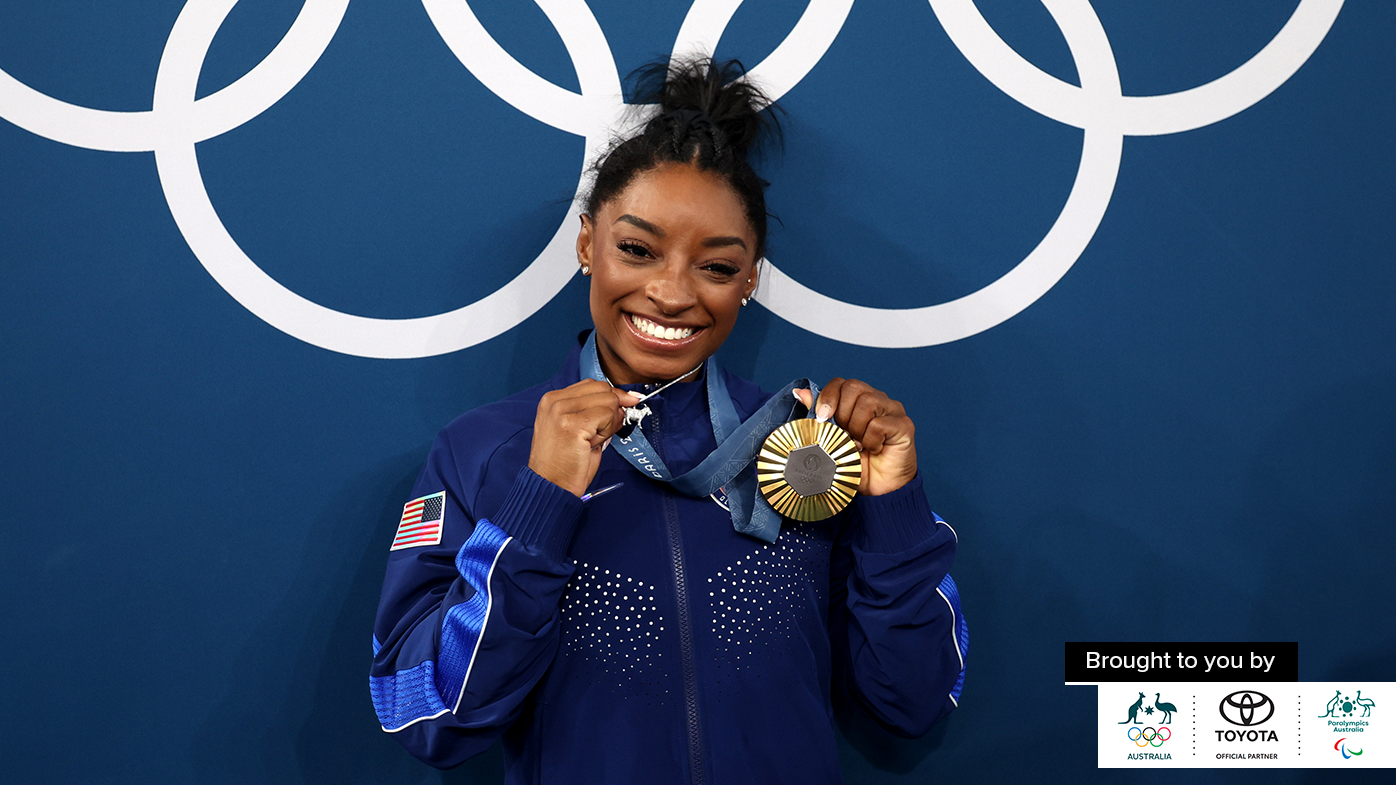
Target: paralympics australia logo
177,121
1344,706
1347,714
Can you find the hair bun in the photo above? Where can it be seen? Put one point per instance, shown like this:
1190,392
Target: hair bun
703,88
709,116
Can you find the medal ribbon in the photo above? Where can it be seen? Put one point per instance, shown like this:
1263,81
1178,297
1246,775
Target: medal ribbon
732,465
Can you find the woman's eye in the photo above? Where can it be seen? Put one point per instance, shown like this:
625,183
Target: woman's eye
633,249
723,269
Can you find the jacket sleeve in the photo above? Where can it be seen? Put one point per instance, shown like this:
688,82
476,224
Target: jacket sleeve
467,626
899,639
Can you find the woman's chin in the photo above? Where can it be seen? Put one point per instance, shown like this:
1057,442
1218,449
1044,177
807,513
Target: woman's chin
651,370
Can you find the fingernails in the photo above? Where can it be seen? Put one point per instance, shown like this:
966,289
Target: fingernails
824,412
606,443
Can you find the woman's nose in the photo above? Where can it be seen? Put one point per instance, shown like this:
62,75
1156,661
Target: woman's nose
671,290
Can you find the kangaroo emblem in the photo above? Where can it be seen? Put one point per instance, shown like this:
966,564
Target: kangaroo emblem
1134,712
1333,704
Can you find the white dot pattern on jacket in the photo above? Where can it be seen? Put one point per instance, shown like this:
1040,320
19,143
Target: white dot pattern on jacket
611,620
765,597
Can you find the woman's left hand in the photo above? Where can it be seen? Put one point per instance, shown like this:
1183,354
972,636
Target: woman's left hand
886,437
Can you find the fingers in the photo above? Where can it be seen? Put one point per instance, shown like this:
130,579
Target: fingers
854,404
885,435
589,409
590,417
572,428
803,396
888,431
828,400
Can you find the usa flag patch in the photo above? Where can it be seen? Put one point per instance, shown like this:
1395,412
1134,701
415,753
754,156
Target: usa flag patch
421,522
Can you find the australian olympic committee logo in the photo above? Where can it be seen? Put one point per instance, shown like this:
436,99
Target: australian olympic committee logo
1149,729
177,121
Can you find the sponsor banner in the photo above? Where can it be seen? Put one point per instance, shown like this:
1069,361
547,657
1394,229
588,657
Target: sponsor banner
1228,725
1096,663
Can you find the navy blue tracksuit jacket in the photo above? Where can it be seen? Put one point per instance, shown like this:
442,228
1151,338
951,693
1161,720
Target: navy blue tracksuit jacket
637,638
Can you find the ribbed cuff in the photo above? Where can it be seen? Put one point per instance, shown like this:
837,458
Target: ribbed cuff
540,514
895,521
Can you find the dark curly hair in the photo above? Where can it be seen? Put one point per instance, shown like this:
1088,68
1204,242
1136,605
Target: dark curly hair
708,116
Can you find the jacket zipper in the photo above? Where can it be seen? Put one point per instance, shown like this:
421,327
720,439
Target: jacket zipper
690,678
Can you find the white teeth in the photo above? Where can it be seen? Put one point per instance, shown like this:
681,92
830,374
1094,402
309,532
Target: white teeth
655,331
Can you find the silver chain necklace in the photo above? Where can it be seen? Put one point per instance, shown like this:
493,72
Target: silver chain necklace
634,414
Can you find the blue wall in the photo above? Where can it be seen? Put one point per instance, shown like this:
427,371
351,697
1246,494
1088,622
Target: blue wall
1190,436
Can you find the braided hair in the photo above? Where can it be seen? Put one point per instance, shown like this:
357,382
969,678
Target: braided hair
708,117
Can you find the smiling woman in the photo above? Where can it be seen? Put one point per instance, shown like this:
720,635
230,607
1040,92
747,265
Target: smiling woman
586,570
672,260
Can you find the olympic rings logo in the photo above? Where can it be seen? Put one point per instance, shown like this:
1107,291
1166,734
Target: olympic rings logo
1148,737
176,122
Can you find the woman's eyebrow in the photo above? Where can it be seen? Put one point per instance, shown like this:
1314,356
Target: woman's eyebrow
642,223
721,242
708,242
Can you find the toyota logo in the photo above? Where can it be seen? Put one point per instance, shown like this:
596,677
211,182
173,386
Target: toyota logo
1245,707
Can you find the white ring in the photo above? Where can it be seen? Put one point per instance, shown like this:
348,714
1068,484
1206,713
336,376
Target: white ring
703,27
521,88
178,166
789,62
1098,107
177,121
897,328
803,48
212,115
1135,115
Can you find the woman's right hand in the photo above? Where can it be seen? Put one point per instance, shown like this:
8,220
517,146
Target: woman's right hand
572,428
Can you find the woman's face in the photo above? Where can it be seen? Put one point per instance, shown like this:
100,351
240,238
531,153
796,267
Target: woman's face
671,258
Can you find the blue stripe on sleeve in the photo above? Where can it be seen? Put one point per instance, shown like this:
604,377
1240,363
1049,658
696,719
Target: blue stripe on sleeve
951,593
406,697
416,693
465,621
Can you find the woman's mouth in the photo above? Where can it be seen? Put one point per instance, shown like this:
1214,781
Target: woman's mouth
648,328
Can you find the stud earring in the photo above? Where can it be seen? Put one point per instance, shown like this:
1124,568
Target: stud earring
586,270
744,302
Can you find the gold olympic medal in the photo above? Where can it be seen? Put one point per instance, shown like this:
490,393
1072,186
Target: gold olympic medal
809,470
